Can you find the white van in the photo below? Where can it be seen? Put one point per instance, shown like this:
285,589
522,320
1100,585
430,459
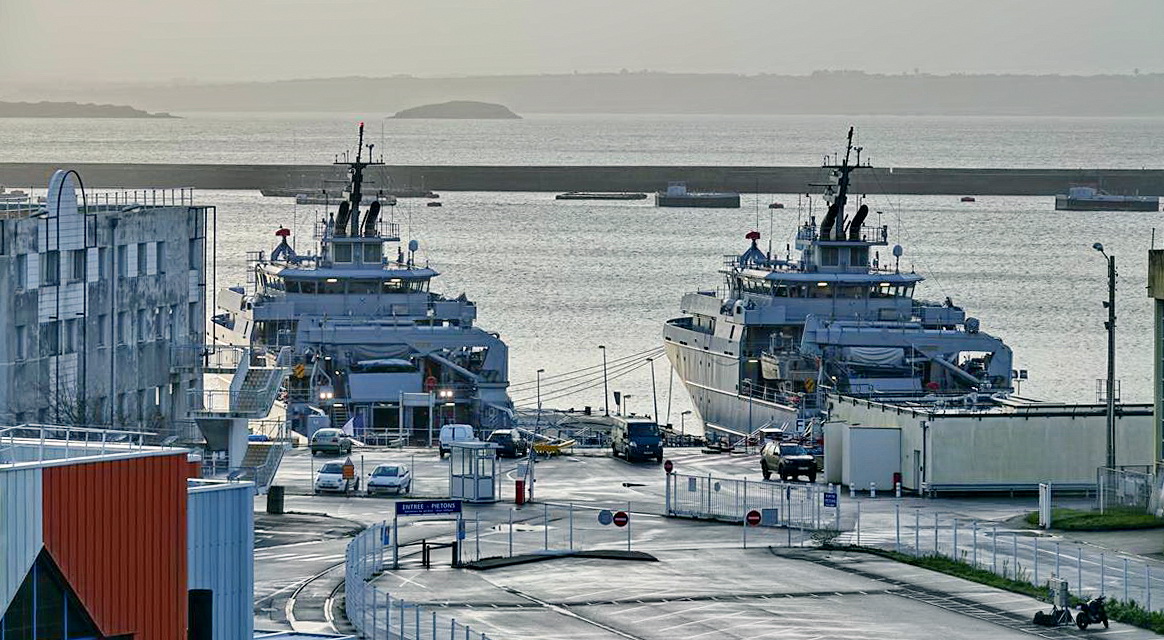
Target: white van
455,433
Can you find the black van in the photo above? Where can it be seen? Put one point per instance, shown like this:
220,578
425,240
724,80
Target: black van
636,439
509,443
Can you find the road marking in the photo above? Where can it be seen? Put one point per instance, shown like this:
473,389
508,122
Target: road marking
404,580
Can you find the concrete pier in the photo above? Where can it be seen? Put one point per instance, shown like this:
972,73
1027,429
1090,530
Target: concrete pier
902,181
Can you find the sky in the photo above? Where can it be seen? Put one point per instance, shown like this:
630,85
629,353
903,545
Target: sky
96,42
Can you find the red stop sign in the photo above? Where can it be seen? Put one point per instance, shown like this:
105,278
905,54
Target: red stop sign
668,466
621,519
753,518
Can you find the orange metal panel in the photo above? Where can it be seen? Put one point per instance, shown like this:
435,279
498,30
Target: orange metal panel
117,529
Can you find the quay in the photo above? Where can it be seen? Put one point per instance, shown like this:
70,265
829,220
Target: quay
741,179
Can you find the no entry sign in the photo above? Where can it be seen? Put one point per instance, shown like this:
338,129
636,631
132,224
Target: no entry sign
668,466
621,519
753,518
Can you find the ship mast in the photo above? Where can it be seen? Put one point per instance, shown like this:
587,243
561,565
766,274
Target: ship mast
357,172
843,170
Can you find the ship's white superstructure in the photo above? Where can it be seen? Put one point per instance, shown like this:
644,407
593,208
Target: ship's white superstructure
365,337
758,352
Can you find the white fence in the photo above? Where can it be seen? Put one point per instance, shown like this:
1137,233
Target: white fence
797,505
374,612
1124,489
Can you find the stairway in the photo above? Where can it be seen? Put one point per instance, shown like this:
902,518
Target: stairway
339,415
253,394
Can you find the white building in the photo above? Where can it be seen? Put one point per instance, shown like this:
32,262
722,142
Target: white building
99,305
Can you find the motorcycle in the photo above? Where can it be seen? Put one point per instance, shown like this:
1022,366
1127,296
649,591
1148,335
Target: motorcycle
1091,612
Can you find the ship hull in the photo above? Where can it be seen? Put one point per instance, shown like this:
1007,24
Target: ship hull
1088,204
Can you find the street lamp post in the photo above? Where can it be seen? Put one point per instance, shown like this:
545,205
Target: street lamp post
605,387
540,372
654,391
682,423
625,404
1110,325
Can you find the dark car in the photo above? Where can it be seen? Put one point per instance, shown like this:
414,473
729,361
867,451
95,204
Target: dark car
788,459
509,443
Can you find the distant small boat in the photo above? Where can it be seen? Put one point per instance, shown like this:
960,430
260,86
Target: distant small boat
583,195
967,198
677,195
776,205
1092,199
434,203
15,195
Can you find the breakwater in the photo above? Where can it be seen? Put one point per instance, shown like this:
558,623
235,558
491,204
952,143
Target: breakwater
902,181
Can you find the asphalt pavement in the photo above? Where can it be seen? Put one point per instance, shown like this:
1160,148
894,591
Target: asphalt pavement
297,574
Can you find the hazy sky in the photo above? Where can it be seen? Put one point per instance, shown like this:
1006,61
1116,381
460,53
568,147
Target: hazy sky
212,40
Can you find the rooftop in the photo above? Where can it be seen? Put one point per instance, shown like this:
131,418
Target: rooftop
40,445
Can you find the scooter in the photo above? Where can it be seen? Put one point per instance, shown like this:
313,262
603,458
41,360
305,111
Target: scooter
1090,612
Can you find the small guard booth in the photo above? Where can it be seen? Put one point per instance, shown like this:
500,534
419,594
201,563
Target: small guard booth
473,471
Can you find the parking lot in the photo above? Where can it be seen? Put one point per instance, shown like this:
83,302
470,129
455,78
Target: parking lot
704,585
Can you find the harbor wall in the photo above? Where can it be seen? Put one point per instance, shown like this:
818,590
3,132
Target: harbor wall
902,181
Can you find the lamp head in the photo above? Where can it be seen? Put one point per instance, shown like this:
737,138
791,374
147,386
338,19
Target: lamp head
1098,247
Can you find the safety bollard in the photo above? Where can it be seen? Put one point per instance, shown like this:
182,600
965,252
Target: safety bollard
1102,575
872,489
852,490
897,489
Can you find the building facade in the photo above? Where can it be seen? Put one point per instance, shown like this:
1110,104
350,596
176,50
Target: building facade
102,540
102,304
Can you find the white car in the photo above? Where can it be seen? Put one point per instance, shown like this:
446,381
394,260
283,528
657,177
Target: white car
331,478
390,477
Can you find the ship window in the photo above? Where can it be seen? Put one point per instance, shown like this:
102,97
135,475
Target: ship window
307,286
828,256
275,282
371,254
395,285
331,285
343,252
362,287
781,291
858,256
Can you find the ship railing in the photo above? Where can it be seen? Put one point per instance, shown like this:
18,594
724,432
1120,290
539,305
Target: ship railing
870,235
385,229
765,392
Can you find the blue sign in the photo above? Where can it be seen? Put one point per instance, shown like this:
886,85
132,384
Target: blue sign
830,499
386,536
605,517
427,507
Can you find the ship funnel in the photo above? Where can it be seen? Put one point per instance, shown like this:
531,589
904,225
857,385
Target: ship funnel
371,217
826,227
858,220
341,219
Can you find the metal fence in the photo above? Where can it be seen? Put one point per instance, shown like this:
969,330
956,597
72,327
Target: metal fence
796,505
377,615
1124,489
1027,556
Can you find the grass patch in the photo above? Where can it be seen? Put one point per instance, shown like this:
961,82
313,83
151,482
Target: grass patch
1113,520
1135,615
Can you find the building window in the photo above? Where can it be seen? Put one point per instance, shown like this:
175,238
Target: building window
102,329
195,257
77,269
21,343
161,257
21,271
143,326
50,268
142,259
103,263
71,342
122,327
123,261
50,339
195,321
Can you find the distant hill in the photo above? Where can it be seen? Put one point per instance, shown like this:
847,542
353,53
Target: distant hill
460,110
72,110
821,93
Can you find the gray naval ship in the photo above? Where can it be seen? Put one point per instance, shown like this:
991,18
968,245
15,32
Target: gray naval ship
369,344
760,352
